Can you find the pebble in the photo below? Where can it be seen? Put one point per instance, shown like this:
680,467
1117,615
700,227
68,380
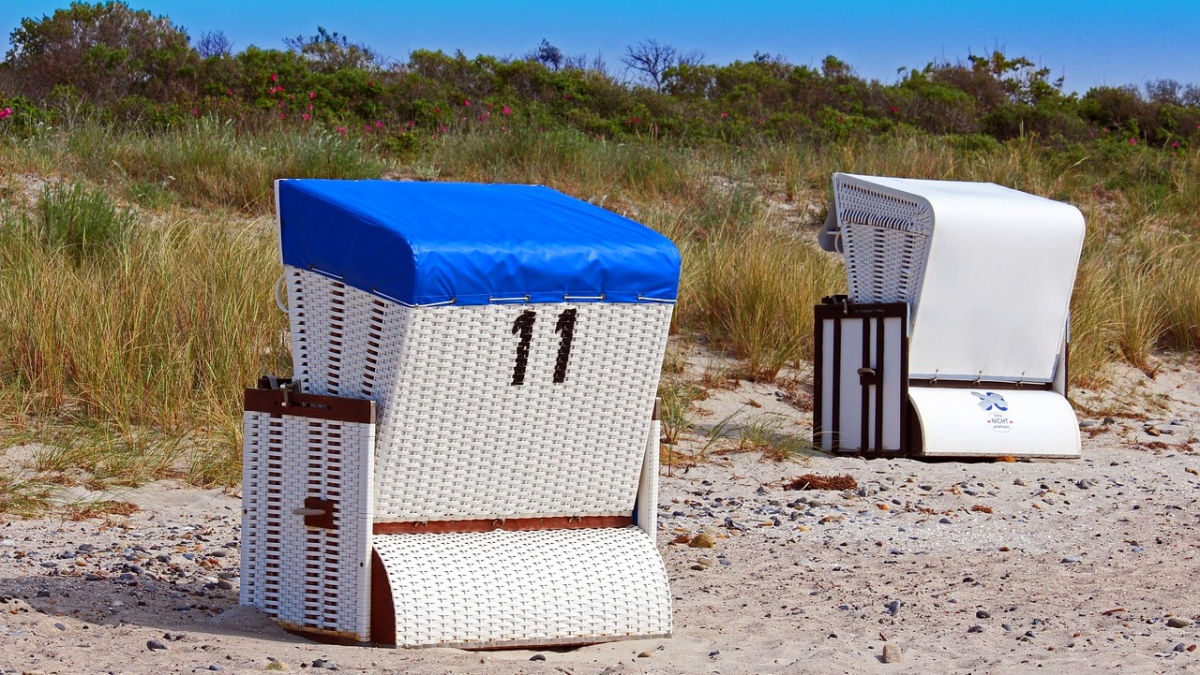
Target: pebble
214,667
324,663
276,665
975,629
59,625
982,614
644,655
155,645
1178,622
893,607
702,540
891,654
1070,559
538,657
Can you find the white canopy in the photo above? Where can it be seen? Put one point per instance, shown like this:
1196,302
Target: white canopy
987,271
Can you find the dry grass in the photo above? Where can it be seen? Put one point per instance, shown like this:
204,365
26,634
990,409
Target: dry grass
812,481
140,337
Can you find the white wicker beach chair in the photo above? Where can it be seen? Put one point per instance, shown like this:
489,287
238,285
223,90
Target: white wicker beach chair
501,488
954,337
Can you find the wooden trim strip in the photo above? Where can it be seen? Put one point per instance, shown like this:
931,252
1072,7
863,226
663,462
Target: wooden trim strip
315,406
510,524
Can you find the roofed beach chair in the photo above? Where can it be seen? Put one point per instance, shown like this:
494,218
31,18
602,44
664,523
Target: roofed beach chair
953,340
468,455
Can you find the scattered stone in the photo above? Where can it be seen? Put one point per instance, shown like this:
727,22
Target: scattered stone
893,607
538,657
276,665
702,540
891,654
215,668
225,585
975,629
1180,647
59,625
324,663
1088,423
155,645
1178,622
644,655
714,653
1069,560
982,614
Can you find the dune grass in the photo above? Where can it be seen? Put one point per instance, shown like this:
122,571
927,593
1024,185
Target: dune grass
121,327
134,307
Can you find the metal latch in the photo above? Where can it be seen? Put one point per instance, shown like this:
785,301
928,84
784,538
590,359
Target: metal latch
317,512
867,376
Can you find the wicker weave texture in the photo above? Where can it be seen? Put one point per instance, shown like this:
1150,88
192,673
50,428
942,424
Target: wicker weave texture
514,588
886,241
309,578
491,411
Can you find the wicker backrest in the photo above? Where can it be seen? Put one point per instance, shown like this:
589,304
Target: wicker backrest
488,411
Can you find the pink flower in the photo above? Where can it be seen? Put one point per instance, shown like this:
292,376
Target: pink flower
724,115
7,112
195,112
489,106
410,124
229,92
466,103
895,109
634,120
283,116
1133,141
310,106
341,131
306,117
367,126
506,111
312,95
1175,144
274,77
378,124
442,128
436,109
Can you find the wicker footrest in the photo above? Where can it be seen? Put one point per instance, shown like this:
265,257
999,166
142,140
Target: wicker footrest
500,588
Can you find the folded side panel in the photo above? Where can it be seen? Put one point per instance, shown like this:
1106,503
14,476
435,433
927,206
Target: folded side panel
861,378
989,422
307,512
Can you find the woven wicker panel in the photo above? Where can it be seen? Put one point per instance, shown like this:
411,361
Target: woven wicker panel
886,241
514,588
489,411
308,578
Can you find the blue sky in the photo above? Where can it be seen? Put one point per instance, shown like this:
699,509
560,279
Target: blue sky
1087,43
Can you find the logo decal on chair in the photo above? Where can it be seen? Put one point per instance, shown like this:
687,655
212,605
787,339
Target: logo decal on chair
991,399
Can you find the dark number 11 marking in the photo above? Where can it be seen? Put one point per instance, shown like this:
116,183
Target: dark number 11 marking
523,326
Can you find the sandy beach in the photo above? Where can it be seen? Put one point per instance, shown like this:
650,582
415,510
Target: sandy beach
987,566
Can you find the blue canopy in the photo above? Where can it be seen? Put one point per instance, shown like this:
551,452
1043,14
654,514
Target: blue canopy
471,244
